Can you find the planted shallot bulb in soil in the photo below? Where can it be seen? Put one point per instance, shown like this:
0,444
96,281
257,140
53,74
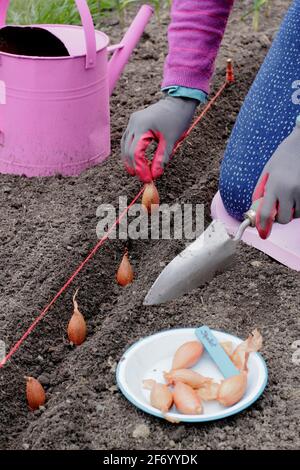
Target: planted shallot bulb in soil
208,391
187,355
186,399
77,325
161,397
232,389
150,200
125,271
186,376
35,393
241,354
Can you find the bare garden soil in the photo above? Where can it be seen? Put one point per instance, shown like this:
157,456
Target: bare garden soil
48,227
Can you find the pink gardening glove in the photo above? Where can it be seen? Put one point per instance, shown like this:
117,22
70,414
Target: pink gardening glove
163,122
264,229
279,185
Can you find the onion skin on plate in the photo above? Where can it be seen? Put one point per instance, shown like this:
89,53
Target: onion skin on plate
241,354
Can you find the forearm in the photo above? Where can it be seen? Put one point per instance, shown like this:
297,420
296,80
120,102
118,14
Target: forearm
195,33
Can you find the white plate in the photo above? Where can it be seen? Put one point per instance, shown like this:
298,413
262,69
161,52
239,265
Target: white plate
149,357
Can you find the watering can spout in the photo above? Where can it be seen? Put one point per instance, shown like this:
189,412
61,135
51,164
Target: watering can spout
123,50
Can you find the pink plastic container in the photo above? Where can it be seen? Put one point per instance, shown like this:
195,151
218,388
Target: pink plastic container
282,244
54,112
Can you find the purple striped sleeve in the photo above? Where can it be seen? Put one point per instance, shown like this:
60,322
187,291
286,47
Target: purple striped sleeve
195,33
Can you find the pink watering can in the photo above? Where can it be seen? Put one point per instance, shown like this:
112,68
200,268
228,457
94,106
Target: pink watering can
54,111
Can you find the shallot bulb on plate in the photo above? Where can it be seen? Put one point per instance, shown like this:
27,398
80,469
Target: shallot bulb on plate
228,347
186,376
187,355
160,397
186,399
232,389
208,391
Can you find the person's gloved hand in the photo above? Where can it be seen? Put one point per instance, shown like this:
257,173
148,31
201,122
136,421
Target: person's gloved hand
163,122
279,185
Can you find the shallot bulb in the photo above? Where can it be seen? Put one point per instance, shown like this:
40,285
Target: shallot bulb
186,399
160,397
241,354
125,271
150,199
35,393
232,389
187,355
228,347
171,419
77,326
208,391
186,376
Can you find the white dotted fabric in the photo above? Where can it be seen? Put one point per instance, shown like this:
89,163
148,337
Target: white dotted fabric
267,117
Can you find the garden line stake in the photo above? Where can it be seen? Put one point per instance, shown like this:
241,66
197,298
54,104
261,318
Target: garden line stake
228,81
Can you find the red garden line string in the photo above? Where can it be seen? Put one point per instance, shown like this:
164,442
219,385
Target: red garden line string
229,79
70,280
201,115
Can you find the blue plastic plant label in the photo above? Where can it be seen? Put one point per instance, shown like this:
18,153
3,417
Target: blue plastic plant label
216,352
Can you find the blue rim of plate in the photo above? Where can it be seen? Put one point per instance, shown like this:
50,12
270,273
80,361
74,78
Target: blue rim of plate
200,419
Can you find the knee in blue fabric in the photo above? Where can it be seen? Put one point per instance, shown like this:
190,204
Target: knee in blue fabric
234,191
267,117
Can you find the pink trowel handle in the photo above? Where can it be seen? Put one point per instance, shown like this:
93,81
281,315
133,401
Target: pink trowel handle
87,23
124,49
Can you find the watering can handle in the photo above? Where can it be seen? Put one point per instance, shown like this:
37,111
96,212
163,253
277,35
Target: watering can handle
87,23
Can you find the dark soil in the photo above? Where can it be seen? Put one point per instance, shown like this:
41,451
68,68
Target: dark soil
31,42
48,227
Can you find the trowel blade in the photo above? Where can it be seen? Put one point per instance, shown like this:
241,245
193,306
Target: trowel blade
211,252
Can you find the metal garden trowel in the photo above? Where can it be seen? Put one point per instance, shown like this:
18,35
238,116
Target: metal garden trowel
212,252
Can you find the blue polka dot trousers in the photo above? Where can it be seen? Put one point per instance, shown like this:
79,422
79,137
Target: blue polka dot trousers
267,117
